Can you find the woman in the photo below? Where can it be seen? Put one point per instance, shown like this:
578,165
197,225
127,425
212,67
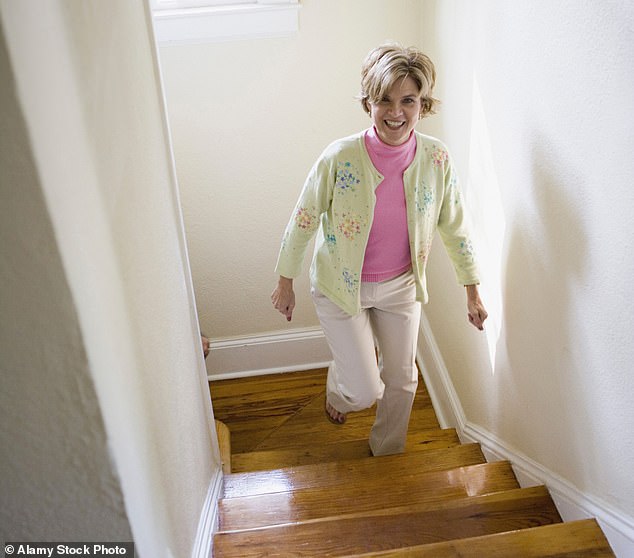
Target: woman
376,198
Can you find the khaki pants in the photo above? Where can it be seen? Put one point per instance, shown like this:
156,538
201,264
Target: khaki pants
389,320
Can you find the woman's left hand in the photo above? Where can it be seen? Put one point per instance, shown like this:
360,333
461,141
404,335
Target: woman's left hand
475,308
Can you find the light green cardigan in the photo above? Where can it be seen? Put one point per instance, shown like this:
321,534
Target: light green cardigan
339,195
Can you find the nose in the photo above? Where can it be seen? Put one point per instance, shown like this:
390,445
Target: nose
394,109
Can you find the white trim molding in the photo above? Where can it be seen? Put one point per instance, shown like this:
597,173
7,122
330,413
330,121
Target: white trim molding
213,23
208,523
571,503
275,352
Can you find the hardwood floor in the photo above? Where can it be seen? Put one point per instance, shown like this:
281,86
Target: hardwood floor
256,409
302,486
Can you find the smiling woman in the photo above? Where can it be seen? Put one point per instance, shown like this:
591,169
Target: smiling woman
368,272
248,118
397,112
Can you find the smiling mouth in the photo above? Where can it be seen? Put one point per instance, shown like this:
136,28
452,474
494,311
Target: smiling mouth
393,124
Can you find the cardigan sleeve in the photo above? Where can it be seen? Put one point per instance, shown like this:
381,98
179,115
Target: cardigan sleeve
454,230
315,199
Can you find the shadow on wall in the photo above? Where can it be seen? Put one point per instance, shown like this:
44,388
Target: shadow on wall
57,480
546,258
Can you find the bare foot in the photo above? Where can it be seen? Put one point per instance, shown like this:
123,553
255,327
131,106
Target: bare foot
333,415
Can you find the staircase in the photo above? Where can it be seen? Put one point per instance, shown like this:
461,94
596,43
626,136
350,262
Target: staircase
301,486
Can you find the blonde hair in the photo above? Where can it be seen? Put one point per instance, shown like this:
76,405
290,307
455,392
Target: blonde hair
386,64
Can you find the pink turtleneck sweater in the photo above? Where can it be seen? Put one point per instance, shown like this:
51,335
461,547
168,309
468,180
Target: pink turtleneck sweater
387,254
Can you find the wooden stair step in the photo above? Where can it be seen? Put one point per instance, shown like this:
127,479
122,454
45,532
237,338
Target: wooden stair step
331,473
394,527
378,491
279,420
575,539
238,398
351,449
254,408
311,427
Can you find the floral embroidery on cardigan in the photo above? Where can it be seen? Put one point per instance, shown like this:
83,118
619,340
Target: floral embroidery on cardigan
423,253
466,250
439,156
453,191
424,197
306,219
331,242
350,225
350,279
346,178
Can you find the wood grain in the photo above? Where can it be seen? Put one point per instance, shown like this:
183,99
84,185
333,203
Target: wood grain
392,528
301,486
334,473
575,539
380,488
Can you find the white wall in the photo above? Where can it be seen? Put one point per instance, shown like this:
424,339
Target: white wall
248,120
538,99
56,479
132,384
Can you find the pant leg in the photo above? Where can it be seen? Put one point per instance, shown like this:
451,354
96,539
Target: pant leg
354,381
395,319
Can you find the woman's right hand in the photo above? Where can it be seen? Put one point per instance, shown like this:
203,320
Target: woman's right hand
283,297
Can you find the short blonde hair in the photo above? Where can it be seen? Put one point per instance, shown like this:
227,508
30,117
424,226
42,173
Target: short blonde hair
386,64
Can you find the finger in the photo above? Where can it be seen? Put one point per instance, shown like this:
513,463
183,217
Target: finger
476,321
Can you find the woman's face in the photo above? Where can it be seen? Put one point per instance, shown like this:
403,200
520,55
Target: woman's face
395,116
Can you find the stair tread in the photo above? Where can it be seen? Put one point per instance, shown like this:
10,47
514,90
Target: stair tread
574,539
253,408
347,471
422,440
257,408
379,490
279,420
391,528
312,426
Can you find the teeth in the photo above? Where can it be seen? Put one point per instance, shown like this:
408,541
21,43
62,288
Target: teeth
393,123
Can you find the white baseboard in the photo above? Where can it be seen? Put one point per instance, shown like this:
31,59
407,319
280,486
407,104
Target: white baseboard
571,503
284,351
208,523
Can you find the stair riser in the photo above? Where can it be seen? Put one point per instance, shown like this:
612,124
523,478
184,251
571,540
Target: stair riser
346,472
379,491
322,453
578,539
283,415
354,535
